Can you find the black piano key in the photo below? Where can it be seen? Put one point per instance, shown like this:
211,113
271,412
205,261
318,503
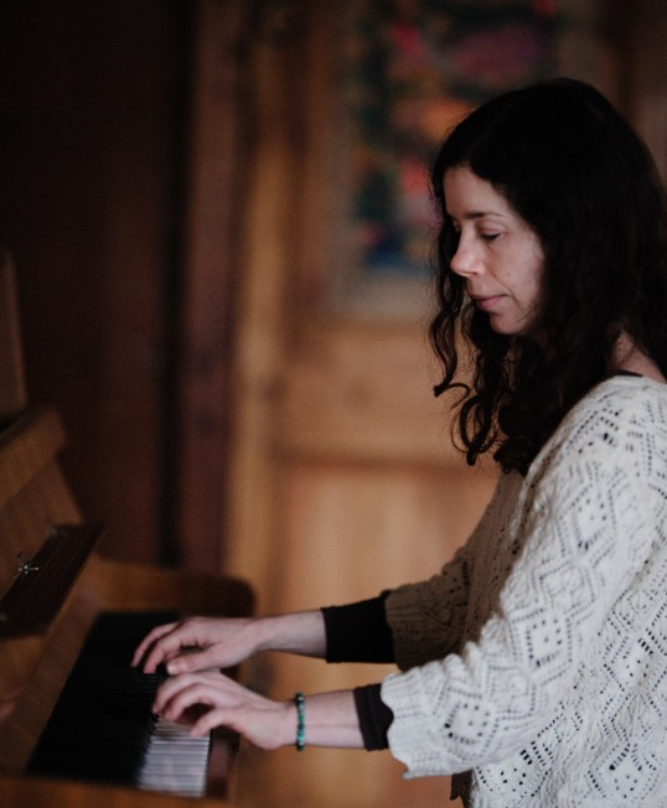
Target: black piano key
101,725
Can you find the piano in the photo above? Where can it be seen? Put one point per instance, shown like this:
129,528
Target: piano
75,721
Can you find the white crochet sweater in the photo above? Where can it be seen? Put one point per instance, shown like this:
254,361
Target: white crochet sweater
537,659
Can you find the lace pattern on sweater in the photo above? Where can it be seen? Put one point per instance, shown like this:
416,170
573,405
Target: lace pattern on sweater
538,658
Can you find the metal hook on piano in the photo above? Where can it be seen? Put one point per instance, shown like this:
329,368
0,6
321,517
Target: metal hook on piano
25,566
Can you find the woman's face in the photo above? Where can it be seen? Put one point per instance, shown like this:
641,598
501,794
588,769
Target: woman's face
498,255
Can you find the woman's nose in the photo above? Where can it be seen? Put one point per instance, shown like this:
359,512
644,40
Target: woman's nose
465,260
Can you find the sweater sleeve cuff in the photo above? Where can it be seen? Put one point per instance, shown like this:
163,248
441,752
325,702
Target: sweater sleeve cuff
374,717
358,632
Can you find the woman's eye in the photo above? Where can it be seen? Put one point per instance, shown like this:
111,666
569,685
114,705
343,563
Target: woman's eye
490,236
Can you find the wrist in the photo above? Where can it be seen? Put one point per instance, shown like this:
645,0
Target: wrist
298,633
268,633
300,703
287,733
324,719
292,730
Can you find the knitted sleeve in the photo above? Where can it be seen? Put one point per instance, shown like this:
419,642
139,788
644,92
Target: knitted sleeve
427,618
579,522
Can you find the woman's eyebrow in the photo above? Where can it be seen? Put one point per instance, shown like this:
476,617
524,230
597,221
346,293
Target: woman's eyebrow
474,215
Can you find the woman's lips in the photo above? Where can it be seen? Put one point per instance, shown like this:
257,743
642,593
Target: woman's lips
487,303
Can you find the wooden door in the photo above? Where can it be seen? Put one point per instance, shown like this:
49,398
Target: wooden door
343,479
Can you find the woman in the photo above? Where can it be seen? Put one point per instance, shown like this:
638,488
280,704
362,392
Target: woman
533,667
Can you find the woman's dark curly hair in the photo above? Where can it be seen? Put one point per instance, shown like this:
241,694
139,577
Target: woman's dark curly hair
574,170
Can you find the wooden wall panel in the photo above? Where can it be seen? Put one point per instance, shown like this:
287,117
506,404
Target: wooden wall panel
92,98
214,206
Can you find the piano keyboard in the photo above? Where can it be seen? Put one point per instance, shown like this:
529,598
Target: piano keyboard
102,728
174,762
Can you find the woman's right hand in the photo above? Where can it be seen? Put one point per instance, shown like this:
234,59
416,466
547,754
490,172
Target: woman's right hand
203,643
198,643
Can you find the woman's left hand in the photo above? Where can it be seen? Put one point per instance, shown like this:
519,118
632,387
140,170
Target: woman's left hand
265,723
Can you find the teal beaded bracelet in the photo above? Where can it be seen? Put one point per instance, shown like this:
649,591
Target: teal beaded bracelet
300,702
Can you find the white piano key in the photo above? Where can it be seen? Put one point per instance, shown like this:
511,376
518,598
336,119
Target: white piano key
175,762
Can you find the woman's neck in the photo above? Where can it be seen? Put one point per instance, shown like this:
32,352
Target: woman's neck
627,356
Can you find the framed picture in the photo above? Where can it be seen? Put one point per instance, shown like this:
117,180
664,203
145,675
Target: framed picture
408,71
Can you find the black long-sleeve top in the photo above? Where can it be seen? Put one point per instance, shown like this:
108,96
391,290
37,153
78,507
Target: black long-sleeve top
359,632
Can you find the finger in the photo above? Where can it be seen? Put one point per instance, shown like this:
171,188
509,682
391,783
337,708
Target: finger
166,648
173,687
192,661
149,640
167,691
215,717
145,644
195,694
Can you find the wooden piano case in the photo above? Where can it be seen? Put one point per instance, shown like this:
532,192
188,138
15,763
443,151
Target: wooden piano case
53,586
